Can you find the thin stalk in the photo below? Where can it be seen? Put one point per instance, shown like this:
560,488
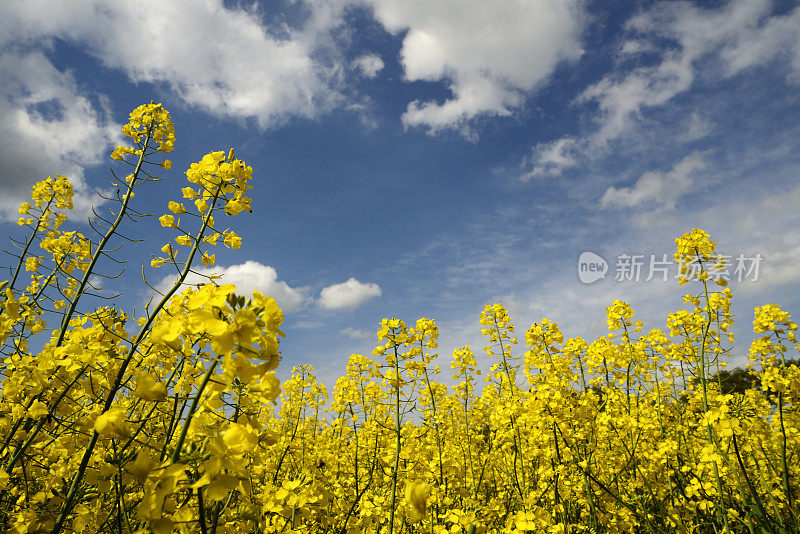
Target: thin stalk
397,439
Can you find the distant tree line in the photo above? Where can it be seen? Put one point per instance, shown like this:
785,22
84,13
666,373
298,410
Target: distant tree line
739,380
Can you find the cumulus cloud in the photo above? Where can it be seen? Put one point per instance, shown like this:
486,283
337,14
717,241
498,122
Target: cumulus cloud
49,128
248,277
491,54
660,188
688,41
347,295
225,61
369,65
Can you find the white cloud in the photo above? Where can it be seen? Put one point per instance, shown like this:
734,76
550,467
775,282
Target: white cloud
621,101
347,295
354,333
225,61
778,267
364,110
553,158
693,42
491,54
697,127
747,33
766,224
49,128
368,65
739,35
248,277
662,189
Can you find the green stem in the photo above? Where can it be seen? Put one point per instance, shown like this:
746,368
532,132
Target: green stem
397,439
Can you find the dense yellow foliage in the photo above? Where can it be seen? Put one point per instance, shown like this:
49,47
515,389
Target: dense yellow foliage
166,422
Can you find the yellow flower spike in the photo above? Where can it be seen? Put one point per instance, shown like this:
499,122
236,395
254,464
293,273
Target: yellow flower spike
618,315
771,317
153,118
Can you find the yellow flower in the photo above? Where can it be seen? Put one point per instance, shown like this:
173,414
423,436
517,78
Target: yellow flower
112,424
232,240
417,493
11,305
176,207
240,438
268,387
31,263
38,409
211,239
148,389
167,221
141,467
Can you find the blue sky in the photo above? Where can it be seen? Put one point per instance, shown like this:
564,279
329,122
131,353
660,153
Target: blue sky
416,158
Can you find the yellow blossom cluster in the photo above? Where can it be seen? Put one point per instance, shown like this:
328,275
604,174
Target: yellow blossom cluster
148,123
693,250
108,422
223,186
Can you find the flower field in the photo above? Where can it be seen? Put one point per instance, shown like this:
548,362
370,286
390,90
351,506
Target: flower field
169,421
